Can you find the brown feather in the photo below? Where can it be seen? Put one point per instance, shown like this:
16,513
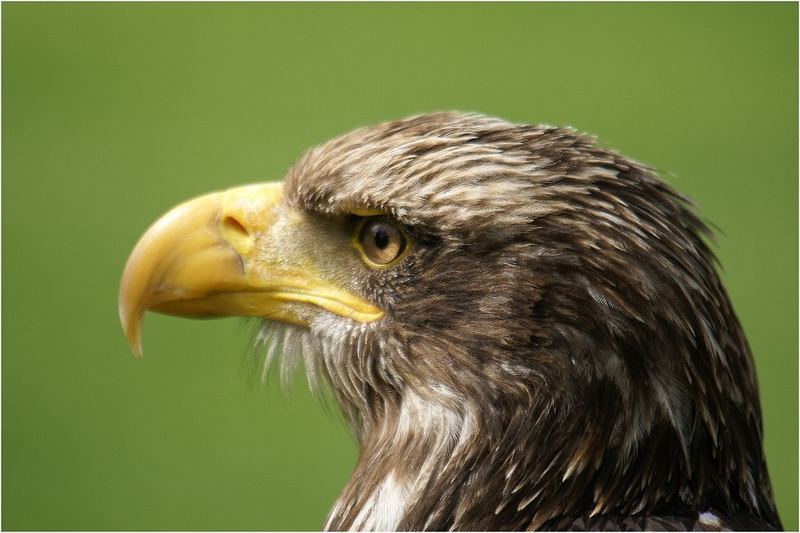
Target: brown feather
558,351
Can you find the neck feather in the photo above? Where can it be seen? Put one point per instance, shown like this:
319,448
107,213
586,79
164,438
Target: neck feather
401,457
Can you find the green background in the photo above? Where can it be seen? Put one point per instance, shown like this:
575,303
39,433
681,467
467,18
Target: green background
114,113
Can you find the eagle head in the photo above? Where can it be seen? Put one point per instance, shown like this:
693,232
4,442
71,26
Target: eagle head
523,329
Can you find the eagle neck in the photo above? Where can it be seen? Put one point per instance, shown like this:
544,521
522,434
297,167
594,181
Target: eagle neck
402,456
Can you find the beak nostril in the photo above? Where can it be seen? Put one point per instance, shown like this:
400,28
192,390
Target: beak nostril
234,226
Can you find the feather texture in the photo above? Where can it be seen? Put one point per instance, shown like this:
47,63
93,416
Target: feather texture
558,351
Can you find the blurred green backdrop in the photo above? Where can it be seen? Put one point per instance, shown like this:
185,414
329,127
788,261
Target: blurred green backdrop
114,113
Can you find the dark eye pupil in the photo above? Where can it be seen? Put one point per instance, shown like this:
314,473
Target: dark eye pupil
381,237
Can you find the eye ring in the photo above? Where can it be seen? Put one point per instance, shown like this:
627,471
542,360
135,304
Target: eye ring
380,242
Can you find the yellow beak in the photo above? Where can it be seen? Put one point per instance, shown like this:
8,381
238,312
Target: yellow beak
201,260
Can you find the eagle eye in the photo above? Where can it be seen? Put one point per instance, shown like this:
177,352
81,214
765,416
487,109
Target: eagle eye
380,242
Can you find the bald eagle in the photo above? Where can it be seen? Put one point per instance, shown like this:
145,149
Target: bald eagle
524,330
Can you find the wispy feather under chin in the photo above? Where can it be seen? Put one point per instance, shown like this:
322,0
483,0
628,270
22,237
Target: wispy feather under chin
284,347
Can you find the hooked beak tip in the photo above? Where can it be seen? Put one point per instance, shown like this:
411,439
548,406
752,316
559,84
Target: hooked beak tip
132,326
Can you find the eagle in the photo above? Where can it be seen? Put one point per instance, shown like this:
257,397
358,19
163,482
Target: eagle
524,330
